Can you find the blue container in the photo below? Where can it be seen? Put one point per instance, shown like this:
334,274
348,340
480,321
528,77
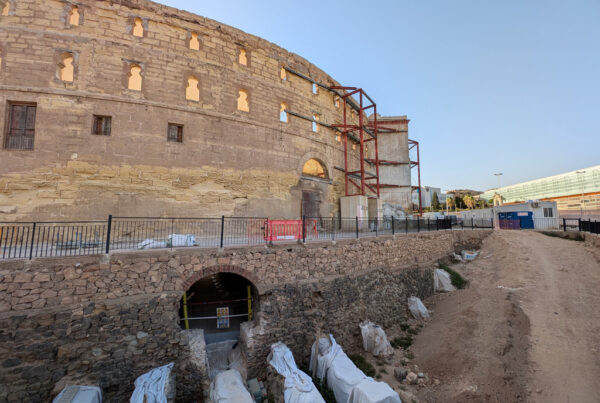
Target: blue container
525,218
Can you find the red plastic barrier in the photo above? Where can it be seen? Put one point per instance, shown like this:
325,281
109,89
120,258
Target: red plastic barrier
289,230
284,230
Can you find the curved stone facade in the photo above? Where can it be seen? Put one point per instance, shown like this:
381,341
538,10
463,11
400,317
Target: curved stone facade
147,66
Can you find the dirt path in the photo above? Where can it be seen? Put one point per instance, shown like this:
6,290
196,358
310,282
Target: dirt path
526,329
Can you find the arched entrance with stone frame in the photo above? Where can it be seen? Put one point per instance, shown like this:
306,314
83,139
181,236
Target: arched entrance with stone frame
218,300
314,185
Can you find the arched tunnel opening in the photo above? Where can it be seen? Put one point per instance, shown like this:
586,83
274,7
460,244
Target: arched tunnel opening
218,304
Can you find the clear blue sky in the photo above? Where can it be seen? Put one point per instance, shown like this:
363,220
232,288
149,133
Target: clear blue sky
490,86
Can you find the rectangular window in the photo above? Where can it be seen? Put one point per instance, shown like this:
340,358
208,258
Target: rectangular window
175,133
21,126
315,124
102,125
547,211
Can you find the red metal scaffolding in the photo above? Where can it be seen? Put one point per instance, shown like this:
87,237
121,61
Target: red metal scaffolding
348,129
412,144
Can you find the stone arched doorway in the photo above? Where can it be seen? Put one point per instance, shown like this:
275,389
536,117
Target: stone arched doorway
215,304
314,186
218,300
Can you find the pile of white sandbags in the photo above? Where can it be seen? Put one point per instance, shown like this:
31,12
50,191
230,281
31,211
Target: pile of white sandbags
374,340
298,387
228,387
349,384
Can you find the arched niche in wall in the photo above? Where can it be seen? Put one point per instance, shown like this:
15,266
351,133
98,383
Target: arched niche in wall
314,165
314,168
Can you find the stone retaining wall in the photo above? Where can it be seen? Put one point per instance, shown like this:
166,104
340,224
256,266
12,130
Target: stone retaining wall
110,318
293,313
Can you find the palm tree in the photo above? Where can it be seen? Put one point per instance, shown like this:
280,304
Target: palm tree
469,201
449,202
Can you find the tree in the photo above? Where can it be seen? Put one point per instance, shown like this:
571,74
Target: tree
435,202
469,201
450,202
458,202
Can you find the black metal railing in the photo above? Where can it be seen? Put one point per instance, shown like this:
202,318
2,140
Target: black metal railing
589,225
42,239
550,223
26,240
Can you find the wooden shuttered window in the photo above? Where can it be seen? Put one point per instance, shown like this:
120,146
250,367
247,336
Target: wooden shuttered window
21,126
102,125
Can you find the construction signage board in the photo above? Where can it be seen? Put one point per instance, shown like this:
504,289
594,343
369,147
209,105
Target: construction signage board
223,318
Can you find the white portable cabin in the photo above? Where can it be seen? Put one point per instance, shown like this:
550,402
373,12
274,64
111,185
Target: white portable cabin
544,213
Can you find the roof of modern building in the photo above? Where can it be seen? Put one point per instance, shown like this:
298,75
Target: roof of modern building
581,181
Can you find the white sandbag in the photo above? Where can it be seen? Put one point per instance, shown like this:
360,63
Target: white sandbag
79,394
299,387
150,387
417,309
176,240
228,387
151,244
341,373
441,281
343,376
370,391
323,350
375,340
468,255
190,240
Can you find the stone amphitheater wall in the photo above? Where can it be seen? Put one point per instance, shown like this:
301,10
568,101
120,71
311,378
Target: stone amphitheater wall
230,162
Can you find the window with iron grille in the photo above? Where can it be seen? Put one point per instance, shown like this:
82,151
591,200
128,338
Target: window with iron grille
20,126
102,125
548,212
175,133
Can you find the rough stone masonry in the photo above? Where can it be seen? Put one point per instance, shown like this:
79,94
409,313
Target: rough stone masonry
107,319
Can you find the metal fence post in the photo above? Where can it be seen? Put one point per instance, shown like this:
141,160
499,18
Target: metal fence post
32,238
108,228
472,225
332,228
437,224
172,231
578,221
418,224
492,223
406,227
222,229
304,229
564,224
393,229
356,226
377,226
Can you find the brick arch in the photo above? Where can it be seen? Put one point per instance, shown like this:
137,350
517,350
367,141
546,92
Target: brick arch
224,268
